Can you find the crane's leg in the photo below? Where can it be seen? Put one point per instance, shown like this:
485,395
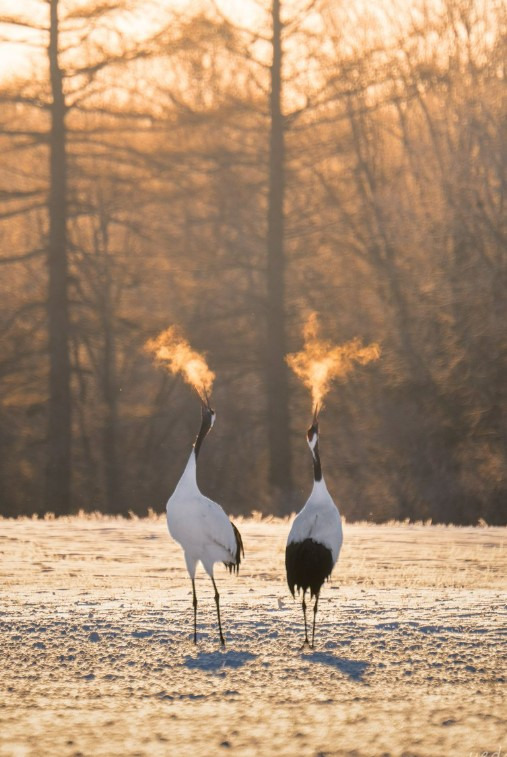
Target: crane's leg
304,616
194,602
314,616
217,600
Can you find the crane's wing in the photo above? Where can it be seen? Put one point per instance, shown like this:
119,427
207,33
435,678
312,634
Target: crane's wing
303,526
219,530
321,526
240,550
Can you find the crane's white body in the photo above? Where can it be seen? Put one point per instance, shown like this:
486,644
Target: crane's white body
198,524
319,520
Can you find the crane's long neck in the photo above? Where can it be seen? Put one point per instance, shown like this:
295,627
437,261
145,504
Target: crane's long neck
205,427
189,476
317,468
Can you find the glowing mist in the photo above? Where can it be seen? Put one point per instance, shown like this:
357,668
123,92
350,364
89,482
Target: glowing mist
320,362
173,351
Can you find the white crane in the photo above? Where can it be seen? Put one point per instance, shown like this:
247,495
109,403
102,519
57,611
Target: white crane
315,539
200,526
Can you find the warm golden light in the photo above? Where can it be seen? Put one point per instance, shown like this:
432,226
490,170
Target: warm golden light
320,362
173,351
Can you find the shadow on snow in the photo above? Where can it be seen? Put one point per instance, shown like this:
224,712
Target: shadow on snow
354,669
218,660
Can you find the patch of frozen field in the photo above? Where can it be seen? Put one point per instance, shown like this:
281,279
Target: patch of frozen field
97,659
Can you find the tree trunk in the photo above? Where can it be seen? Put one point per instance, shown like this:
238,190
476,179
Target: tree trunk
280,476
110,431
109,387
58,479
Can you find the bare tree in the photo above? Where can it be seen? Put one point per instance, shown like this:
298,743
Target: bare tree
58,476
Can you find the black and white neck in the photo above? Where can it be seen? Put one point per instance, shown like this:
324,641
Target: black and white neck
207,421
313,442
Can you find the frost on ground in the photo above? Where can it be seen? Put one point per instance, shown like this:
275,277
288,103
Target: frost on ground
96,652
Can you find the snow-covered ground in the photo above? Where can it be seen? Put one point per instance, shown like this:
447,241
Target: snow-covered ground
96,656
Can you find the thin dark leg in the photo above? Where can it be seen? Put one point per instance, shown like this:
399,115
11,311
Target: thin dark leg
314,616
194,602
304,616
217,600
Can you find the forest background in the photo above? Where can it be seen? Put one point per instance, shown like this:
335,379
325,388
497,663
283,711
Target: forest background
232,167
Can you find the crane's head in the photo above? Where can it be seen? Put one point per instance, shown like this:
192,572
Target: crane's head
312,435
207,421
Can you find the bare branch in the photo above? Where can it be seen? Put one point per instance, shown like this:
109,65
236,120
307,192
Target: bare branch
24,23
21,258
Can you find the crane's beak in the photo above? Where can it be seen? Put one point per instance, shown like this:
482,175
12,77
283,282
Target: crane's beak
315,420
205,403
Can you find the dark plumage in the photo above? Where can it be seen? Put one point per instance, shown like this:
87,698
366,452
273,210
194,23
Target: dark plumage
233,567
308,565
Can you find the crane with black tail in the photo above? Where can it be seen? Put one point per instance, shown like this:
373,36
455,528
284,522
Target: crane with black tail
200,526
315,538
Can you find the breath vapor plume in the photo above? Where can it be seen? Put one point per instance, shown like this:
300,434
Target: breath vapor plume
320,362
173,351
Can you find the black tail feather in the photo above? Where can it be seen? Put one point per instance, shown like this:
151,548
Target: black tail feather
233,567
308,565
